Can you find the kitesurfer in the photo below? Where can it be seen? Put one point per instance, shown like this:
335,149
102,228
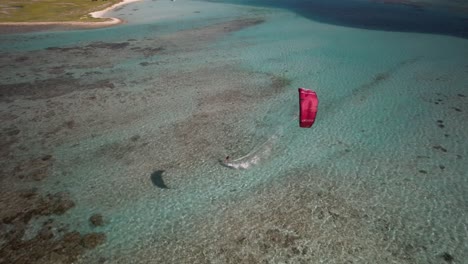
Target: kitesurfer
226,160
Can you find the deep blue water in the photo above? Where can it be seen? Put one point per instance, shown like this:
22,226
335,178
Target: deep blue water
373,15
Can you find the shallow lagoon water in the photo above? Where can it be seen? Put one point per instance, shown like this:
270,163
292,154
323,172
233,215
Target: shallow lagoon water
380,178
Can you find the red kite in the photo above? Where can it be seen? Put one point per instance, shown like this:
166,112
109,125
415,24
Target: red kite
308,104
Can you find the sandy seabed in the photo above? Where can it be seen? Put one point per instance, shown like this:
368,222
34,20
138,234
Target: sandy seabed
110,144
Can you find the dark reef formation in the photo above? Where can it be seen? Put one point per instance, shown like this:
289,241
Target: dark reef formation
53,243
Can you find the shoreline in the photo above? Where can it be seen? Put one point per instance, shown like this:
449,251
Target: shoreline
100,13
22,27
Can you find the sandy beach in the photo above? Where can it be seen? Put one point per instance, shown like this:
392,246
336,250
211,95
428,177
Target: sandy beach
101,14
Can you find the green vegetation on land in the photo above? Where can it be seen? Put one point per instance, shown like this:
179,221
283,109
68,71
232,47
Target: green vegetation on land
51,10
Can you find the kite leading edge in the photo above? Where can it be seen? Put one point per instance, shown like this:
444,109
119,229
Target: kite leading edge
308,104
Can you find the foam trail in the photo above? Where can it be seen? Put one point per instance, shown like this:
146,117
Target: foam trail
257,155
282,112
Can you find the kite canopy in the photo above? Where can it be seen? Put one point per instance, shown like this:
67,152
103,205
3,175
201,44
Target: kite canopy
308,104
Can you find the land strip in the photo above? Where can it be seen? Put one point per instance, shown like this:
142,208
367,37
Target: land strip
23,16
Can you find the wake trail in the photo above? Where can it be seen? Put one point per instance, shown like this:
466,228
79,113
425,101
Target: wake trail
258,154
278,121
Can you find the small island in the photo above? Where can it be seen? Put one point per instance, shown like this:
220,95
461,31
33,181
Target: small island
56,13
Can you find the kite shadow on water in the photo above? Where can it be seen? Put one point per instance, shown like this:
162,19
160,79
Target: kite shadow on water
157,180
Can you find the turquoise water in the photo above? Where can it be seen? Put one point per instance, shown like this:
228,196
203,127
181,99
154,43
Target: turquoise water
380,178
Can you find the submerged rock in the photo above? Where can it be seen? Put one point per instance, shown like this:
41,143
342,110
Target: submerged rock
447,257
46,157
439,147
53,243
93,240
96,220
35,169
